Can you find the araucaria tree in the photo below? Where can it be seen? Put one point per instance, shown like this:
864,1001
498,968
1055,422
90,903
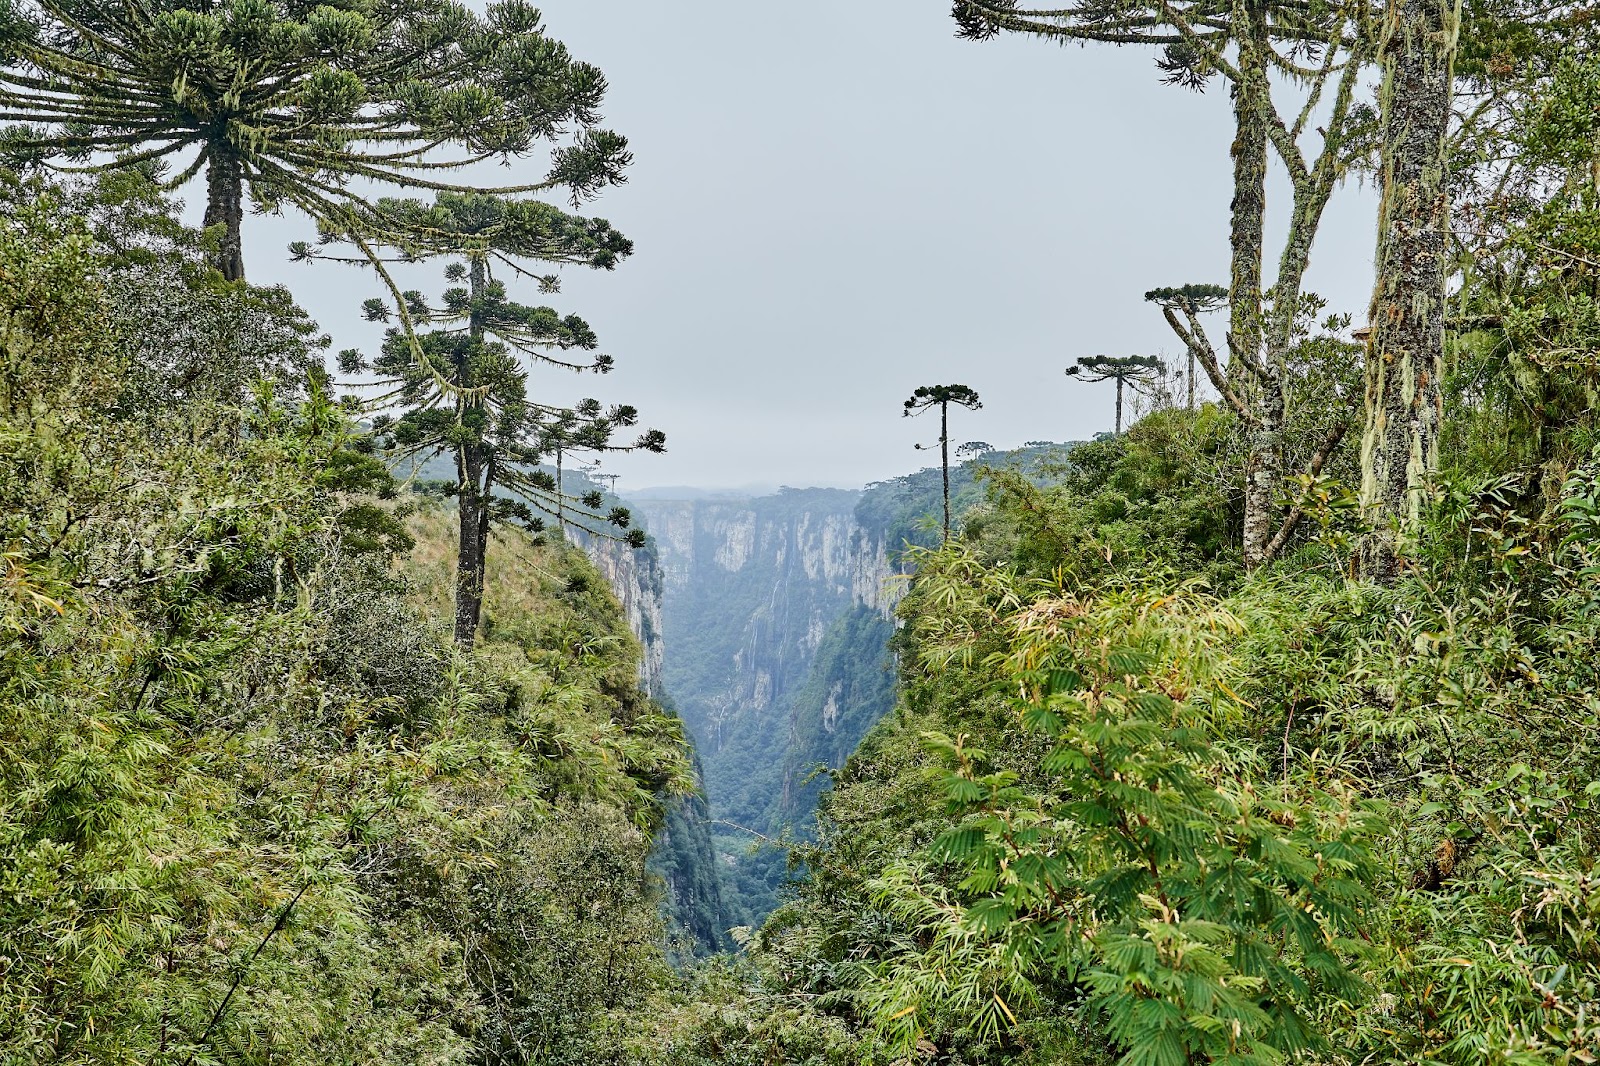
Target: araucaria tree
287,102
1292,69
942,396
1189,300
468,394
1405,359
1135,372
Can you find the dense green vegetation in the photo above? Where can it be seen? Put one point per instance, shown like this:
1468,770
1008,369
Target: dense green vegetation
1150,798
256,807
1125,814
1233,737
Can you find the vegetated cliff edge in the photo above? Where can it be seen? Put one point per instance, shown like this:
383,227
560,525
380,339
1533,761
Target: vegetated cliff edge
635,577
683,856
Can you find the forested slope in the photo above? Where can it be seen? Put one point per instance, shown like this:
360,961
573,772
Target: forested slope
683,854
256,805
1261,730
1118,802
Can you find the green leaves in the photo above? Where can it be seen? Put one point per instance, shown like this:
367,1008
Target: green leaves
1129,369
1203,915
251,801
928,396
328,93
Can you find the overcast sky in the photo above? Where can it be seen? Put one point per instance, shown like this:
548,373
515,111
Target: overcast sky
836,202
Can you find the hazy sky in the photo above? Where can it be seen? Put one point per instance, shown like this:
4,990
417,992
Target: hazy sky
836,202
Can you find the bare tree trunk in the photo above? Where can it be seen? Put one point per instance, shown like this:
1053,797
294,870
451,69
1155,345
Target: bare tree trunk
1191,377
1117,429
561,491
944,462
1264,472
1246,236
471,545
225,208
473,496
1405,353
1246,363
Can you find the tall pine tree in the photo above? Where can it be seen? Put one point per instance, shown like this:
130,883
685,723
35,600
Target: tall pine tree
1133,372
927,397
470,394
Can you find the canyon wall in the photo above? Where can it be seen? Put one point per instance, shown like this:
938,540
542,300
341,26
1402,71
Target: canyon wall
777,612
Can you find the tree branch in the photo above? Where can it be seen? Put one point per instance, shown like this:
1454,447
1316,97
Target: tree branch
1279,539
1195,339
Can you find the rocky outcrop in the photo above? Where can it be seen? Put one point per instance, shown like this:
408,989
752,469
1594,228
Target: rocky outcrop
809,534
775,617
635,577
751,588
775,614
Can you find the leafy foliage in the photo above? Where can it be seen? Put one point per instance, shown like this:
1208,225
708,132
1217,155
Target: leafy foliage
255,804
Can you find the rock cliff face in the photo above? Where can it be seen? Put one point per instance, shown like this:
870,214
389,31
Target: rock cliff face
751,588
635,577
767,623
683,855
798,534
776,613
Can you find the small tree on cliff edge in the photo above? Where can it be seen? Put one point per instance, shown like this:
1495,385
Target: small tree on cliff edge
942,396
1132,371
470,393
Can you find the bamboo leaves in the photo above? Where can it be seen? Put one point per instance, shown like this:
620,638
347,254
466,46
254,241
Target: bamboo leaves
1201,916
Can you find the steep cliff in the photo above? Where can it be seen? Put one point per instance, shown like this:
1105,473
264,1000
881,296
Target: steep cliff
635,576
683,855
776,613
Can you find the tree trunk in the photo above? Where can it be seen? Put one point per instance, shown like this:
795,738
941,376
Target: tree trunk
1246,227
944,463
1263,472
1405,353
1191,377
561,492
1116,430
1247,366
225,208
472,544
474,469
